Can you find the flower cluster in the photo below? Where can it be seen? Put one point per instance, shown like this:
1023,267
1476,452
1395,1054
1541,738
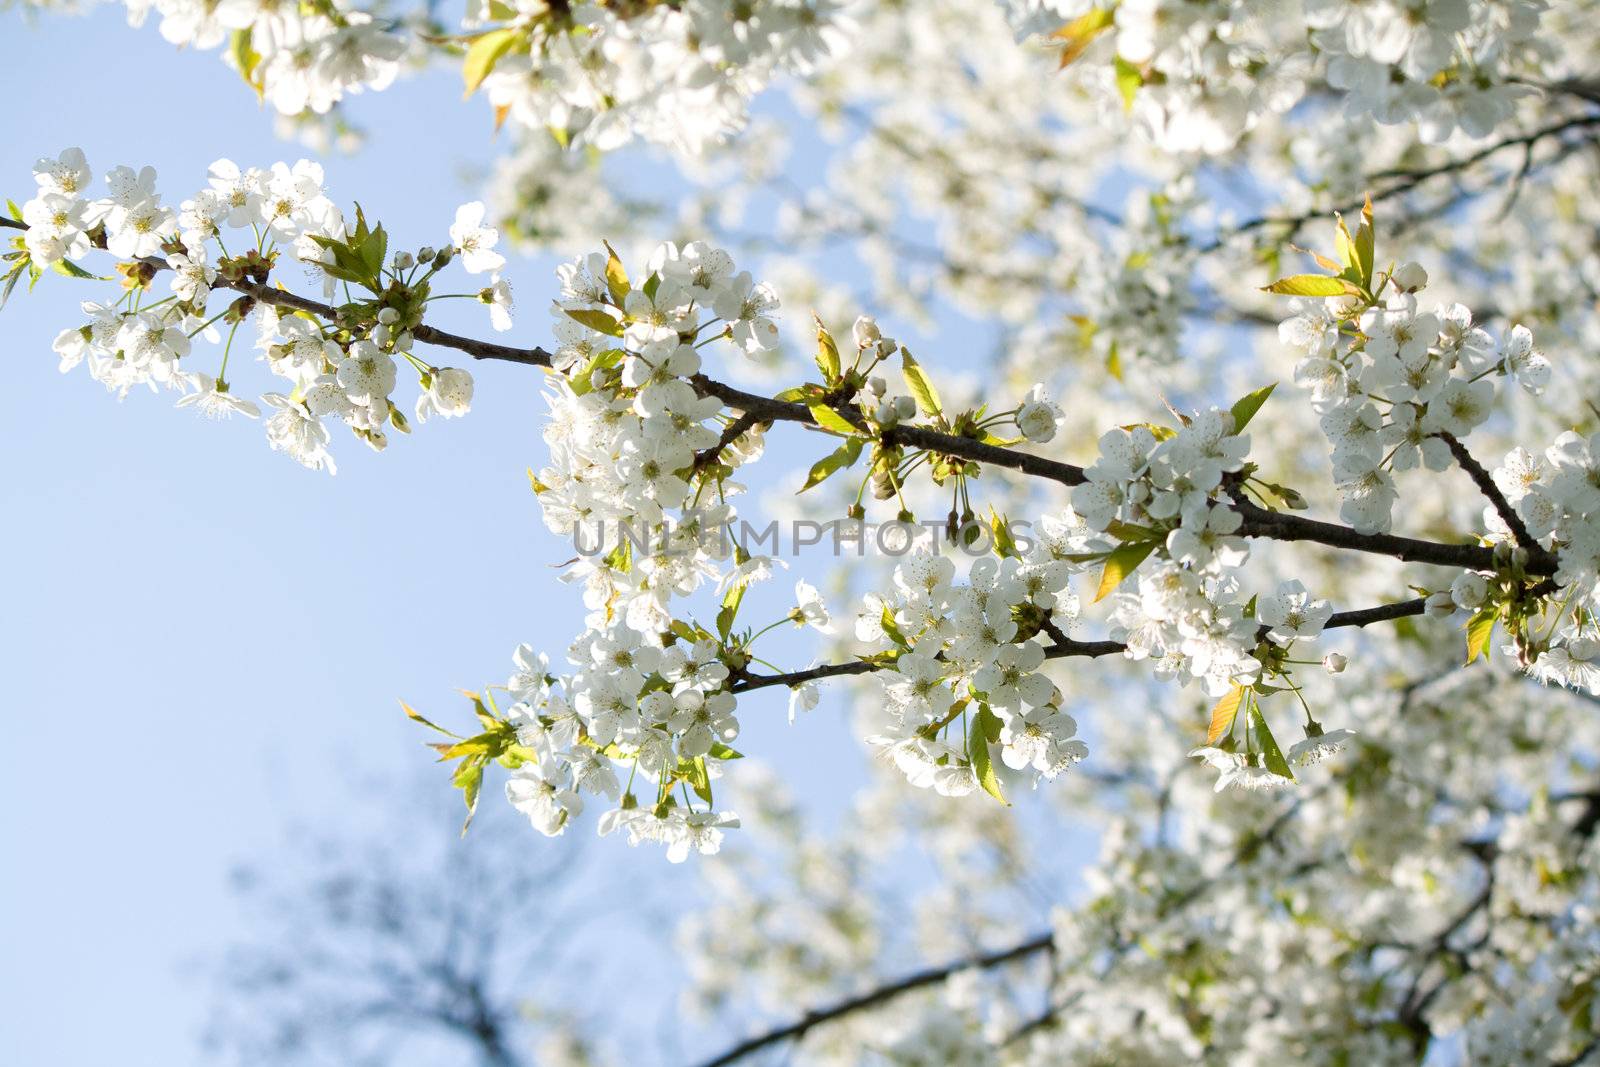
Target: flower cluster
639,468
1198,76
1391,382
299,59
1557,496
344,369
679,74
966,656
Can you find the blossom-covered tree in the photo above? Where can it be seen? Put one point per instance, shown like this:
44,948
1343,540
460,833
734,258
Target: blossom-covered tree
1242,264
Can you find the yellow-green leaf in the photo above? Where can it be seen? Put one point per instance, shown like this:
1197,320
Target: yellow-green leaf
1223,714
484,52
921,386
1246,407
985,725
1310,285
616,276
1129,80
596,320
827,353
836,460
1480,628
830,419
1122,561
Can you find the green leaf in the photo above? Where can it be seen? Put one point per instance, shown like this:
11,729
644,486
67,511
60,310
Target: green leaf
469,779
484,53
1310,285
1223,714
830,419
1480,628
730,609
596,320
16,212
1270,753
722,751
411,713
246,59
1121,562
616,275
1000,527
1129,81
827,354
922,390
892,628
985,728
698,778
1246,407
837,460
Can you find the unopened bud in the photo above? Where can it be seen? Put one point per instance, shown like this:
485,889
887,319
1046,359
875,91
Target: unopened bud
877,386
866,331
425,254
443,257
1439,605
1469,590
1335,662
1410,277
388,316
403,261
905,406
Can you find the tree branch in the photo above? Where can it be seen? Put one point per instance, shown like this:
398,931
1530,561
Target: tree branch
1485,483
878,995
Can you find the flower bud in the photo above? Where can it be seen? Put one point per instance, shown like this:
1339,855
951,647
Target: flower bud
425,254
1439,605
877,386
380,335
1410,277
906,406
887,414
388,316
403,261
865,331
1469,590
443,257
1335,662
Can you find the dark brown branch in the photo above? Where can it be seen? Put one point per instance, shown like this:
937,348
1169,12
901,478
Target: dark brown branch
1064,647
1485,483
879,995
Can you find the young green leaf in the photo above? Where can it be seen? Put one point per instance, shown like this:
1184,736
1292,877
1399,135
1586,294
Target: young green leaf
1245,409
596,320
922,390
1270,753
1310,285
827,354
829,419
616,275
1129,80
484,53
1078,34
985,725
837,460
1122,561
1480,628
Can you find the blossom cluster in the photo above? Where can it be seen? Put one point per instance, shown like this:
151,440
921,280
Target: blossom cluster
1198,76
1389,379
970,654
344,370
637,459
679,74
